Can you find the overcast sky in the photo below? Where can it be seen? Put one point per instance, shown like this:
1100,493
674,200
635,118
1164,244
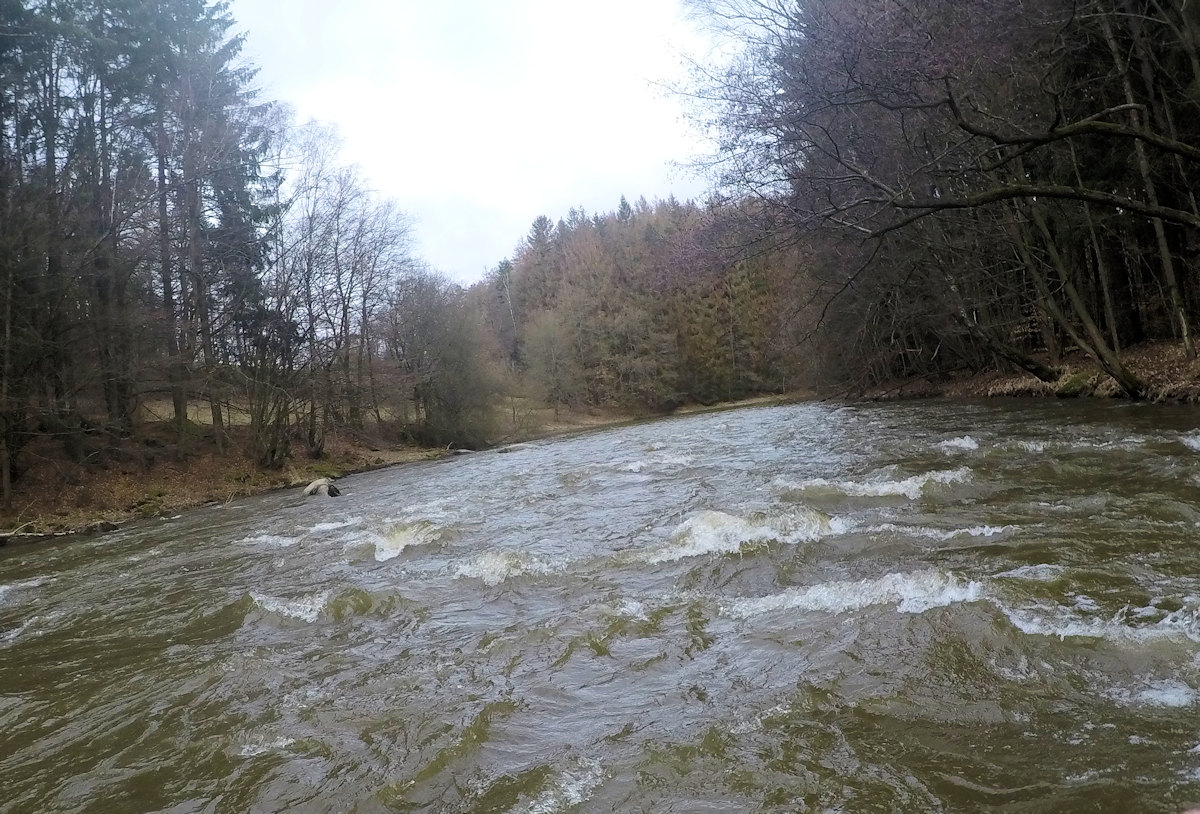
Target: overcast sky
477,116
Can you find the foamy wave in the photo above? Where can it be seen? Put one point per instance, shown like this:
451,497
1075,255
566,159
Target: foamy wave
940,534
1061,622
445,511
1020,671
983,531
493,567
914,592
711,532
1191,440
912,487
1131,442
572,788
1160,693
306,608
964,444
1087,444
404,535
747,726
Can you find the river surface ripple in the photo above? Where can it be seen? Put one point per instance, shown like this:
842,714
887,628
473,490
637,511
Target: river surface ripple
945,607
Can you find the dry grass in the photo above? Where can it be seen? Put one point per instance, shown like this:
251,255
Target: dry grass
144,476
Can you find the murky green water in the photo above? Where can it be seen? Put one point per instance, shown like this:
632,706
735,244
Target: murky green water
899,608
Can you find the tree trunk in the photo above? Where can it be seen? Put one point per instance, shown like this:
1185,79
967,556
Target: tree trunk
201,306
1095,345
1160,235
175,372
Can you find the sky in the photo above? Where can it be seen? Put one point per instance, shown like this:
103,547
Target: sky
476,116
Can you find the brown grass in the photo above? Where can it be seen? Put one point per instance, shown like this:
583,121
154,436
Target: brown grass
148,476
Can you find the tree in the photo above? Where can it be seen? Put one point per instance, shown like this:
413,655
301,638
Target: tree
435,341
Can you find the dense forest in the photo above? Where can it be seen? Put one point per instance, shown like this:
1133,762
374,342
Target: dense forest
174,249
976,182
900,188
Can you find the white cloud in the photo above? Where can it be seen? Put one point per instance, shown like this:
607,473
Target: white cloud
478,116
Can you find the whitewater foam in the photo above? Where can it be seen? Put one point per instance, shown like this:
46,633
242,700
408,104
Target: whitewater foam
9,636
572,788
964,444
494,567
259,745
1167,692
334,525
631,608
713,532
911,487
306,608
13,587
406,535
913,592
1063,622
940,534
4,591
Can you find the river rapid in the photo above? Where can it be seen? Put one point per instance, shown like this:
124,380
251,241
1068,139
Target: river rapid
914,607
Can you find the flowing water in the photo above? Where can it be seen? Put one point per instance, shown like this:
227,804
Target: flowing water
945,607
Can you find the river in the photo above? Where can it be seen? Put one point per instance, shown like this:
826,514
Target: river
911,607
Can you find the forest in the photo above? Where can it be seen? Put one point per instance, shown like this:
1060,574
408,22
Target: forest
900,188
976,183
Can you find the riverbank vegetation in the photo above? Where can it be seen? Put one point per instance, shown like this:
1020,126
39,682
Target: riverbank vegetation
927,191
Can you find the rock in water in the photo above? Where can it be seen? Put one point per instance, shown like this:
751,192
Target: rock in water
322,486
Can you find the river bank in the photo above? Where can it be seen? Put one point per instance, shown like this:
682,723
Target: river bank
146,475
1170,377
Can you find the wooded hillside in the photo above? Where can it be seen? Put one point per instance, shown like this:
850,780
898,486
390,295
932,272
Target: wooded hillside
645,309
